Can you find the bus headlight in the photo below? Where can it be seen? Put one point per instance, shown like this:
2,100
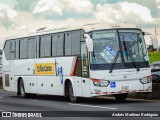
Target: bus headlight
100,83
146,80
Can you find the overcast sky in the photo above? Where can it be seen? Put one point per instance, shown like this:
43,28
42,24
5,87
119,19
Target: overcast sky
24,16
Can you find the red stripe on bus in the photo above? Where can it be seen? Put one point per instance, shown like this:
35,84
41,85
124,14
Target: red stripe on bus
140,90
96,93
74,69
112,92
104,92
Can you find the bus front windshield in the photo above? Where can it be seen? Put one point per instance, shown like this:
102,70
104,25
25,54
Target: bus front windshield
122,47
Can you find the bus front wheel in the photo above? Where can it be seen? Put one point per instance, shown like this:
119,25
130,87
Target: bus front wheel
121,97
71,95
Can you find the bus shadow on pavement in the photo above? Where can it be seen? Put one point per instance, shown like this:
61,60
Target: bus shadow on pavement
96,101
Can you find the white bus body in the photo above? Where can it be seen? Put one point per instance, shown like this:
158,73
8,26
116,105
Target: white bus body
60,62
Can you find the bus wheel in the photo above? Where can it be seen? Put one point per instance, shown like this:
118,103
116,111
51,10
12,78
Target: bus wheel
22,90
71,95
121,97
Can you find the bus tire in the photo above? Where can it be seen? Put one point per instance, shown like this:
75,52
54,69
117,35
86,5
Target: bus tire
121,97
72,98
22,89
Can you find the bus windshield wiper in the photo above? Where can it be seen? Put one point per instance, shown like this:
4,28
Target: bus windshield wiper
114,62
125,48
133,60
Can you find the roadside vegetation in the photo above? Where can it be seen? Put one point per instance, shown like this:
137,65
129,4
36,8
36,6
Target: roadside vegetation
154,56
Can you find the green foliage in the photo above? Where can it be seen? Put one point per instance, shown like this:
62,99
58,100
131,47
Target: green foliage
154,56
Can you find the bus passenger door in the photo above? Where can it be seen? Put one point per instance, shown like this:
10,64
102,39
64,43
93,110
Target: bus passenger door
85,71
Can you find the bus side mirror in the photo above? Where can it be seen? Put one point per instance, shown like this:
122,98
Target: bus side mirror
89,42
154,40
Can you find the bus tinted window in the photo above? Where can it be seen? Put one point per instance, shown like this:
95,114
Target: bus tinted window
45,46
60,42
54,45
31,49
17,49
48,46
7,49
42,46
12,49
68,41
23,48
76,42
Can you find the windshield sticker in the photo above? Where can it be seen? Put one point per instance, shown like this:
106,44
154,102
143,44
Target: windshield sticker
108,54
105,57
111,50
146,58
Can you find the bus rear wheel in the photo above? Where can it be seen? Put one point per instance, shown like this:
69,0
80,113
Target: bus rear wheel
71,95
121,97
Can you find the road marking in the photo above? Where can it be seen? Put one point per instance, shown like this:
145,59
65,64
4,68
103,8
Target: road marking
1,110
93,106
1,97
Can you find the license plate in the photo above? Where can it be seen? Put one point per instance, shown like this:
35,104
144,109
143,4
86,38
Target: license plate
124,88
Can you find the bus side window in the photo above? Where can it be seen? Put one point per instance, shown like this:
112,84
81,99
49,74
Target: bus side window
7,50
23,48
42,46
60,43
12,49
17,50
48,46
54,45
45,46
76,36
68,41
31,48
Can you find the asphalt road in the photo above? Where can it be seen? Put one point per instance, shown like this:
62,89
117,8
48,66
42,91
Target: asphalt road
9,101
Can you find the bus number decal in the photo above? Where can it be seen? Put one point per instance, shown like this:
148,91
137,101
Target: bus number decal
45,68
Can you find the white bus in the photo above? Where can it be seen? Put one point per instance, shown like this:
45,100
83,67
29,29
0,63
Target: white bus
87,61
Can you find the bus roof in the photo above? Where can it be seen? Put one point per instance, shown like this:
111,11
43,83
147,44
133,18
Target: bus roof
86,28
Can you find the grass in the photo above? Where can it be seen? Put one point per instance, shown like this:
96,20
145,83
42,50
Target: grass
154,56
